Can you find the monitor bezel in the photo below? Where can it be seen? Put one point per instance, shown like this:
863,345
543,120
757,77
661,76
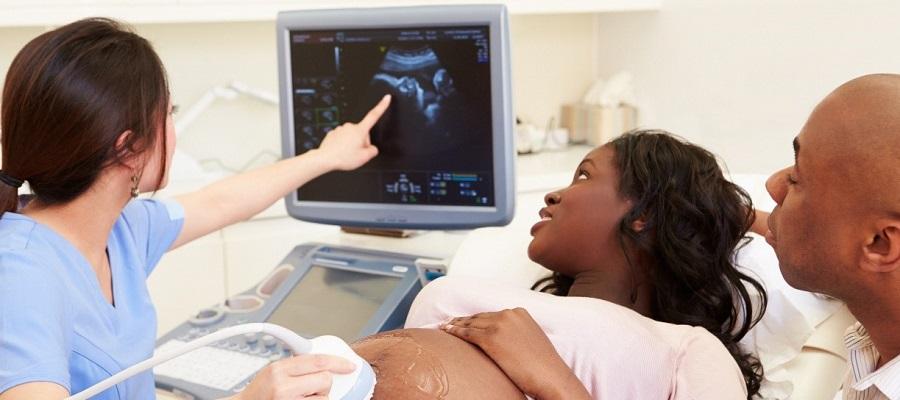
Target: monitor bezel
404,216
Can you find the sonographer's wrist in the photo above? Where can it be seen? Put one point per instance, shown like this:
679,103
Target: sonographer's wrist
323,161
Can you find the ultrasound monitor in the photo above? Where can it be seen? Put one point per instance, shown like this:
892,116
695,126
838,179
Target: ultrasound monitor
446,142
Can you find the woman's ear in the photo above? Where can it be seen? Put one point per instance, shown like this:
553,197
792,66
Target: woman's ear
639,224
882,252
126,153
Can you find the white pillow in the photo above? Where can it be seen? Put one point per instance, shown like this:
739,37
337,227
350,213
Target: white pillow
500,254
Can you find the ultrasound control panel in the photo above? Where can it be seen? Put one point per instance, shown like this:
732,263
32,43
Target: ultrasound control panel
316,290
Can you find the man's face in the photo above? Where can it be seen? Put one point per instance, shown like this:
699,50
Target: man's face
808,227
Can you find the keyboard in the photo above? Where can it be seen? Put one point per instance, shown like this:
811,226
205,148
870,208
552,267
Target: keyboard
220,367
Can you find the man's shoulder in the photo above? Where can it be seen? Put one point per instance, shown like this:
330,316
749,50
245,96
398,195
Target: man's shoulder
864,380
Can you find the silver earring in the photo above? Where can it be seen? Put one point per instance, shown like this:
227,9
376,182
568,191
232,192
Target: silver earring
134,186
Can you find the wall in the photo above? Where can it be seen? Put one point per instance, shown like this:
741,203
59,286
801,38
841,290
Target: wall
739,76
552,64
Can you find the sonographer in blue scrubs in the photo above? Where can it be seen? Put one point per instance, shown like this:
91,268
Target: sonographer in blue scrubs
67,333
87,123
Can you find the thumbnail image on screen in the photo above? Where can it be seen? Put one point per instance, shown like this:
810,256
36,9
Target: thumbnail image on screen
435,140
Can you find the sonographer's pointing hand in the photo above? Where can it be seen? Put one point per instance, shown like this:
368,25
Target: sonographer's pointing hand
349,145
305,376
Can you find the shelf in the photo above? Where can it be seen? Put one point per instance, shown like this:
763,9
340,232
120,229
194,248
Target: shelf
57,12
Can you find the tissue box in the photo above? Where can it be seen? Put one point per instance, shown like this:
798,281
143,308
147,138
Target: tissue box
596,125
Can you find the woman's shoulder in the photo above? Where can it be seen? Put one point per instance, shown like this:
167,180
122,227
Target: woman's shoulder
148,209
693,345
29,267
22,236
705,369
16,232
36,311
30,261
146,229
31,278
695,339
28,255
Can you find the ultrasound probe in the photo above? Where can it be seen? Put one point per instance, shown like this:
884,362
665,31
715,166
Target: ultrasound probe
357,385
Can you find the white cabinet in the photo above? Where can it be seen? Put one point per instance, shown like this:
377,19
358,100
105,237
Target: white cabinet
56,12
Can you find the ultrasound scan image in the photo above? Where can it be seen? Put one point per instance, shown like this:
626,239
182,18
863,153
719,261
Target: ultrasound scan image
425,96
419,79
434,141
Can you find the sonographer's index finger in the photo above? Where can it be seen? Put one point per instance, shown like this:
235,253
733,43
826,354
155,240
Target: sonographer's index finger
375,113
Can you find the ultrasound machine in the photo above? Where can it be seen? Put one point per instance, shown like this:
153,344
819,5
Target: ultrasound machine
445,162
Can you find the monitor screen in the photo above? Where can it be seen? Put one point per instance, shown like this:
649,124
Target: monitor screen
435,139
330,301
445,143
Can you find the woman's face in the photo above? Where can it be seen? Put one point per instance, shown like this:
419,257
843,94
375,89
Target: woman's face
579,225
151,170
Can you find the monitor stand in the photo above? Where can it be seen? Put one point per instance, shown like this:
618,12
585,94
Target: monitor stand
394,233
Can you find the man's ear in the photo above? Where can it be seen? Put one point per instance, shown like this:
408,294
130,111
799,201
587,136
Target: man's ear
882,252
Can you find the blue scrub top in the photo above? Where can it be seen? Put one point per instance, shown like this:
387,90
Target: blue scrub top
55,324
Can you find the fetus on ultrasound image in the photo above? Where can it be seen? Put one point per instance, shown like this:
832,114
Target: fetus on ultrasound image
425,97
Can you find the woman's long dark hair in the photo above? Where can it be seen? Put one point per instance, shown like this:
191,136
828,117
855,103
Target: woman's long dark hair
69,94
695,220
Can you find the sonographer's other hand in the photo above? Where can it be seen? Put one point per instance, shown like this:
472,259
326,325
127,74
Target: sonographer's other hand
306,376
515,341
349,146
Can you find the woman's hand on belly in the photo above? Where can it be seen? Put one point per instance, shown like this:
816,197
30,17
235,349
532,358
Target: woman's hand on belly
517,344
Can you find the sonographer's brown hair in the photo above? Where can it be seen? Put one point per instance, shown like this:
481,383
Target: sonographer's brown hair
68,96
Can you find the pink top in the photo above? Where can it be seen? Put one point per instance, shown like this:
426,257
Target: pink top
614,351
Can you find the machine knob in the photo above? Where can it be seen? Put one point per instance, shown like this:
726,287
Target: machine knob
269,341
207,317
250,338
